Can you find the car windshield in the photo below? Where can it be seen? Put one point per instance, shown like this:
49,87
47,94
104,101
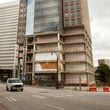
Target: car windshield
15,81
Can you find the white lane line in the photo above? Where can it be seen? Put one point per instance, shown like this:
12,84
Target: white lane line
58,96
48,95
38,96
8,99
53,106
11,99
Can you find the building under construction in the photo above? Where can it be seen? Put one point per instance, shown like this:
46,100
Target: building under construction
55,42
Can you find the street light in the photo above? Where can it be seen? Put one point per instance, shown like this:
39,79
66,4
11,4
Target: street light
57,85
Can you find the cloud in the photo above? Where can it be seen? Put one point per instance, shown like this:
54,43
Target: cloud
99,8
100,27
100,36
4,1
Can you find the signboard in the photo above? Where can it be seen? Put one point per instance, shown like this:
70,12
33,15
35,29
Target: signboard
46,66
47,62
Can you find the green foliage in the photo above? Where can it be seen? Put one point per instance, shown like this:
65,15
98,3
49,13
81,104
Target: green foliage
103,74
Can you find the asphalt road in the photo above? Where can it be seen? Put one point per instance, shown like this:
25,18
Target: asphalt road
33,98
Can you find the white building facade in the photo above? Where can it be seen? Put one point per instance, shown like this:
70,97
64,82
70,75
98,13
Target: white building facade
8,36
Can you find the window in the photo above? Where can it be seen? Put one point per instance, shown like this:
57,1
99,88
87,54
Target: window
72,7
73,21
77,7
66,15
79,20
78,13
78,1
66,22
72,14
66,8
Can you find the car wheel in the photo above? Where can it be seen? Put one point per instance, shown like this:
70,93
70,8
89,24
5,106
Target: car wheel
21,89
7,88
11,89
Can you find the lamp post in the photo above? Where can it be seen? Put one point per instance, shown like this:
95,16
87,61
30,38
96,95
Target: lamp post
57,85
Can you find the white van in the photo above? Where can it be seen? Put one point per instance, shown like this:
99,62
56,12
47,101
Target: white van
14,84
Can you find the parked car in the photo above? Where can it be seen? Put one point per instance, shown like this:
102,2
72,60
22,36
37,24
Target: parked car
14,84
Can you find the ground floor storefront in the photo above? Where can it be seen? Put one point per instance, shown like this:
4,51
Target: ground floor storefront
4,74
53,79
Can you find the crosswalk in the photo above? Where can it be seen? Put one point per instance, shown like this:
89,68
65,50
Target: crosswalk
48,95
11,99
39,96
52,95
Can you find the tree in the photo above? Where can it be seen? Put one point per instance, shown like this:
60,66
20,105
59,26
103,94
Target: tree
103,74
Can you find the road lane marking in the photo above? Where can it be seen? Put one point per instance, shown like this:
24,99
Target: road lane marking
38,96
11,99
53,106
50,95
58,96
8,99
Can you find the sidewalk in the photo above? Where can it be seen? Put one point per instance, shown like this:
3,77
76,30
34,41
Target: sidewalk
2,107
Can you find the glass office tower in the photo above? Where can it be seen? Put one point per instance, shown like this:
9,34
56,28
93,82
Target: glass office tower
43,16
30,4
47,15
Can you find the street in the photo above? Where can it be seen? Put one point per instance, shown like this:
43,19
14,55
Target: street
33,98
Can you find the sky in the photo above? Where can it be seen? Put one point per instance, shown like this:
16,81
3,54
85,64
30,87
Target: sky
99,11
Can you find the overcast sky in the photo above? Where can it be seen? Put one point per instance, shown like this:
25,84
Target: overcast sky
99,11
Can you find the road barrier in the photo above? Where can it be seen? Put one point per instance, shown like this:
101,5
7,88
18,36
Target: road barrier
92,89
95,89
106,89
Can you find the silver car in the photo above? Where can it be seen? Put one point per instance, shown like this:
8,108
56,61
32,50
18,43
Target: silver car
14,84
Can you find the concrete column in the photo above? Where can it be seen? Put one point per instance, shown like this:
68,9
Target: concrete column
33,65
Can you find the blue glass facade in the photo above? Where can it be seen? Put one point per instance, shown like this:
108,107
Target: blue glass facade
47,15
43,16
30,17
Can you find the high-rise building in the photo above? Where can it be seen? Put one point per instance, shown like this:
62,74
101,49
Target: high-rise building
104,61
57,42
8,36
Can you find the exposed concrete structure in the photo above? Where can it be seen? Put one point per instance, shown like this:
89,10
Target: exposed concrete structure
104,61
8,36
77,43
57,42
20,37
